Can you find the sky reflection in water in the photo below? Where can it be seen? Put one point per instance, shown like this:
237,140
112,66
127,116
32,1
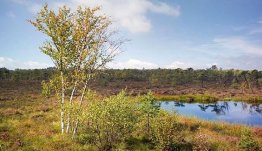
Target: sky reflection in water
228,111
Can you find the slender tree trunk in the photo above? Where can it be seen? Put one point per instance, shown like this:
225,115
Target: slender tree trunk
83,94
75,129
81,102
62,102
70,108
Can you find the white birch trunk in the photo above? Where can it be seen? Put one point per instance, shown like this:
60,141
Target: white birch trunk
81,102
69,111
62,102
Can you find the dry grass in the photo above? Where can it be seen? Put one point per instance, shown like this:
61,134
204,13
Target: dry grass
30,122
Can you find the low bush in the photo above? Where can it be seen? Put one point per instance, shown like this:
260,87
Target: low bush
109,122
131,123
247,141
167,132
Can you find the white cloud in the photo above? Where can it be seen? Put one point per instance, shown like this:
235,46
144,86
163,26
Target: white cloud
238,44
31,6
225,52
14,64
185,65
129,14
5,61
34,7
34,65
129,64
164,8
178,64
227,46
113,51
138,64
132,64
245,62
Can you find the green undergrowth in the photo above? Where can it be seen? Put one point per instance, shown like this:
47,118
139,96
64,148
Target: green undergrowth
32,124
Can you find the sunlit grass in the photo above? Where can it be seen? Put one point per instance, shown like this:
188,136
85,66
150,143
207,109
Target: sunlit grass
32,123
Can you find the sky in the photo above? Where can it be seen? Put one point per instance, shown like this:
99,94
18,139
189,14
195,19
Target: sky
161,33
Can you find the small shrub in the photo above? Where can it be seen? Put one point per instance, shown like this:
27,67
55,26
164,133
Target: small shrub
247,141
167,132
110,121
46,89
149,109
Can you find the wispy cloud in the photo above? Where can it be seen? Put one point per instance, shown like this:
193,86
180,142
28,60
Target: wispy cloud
138,64
246,62
133,64
31,6
256,31
34,7
34,65
239,62
15,64
238,44
179,64
131,14
250,29
227,52
4,62
129,64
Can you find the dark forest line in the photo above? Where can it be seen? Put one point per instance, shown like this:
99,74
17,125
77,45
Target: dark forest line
246,79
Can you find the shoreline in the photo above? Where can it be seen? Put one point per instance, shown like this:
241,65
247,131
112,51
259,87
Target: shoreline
207,98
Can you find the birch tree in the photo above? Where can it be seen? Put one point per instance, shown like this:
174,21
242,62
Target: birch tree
80,44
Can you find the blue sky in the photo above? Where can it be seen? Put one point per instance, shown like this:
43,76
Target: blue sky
166,34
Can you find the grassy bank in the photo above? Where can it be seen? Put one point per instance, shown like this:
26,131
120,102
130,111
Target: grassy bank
34,125
30,122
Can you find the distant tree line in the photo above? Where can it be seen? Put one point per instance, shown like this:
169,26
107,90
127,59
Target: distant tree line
26,74
173,77
156,77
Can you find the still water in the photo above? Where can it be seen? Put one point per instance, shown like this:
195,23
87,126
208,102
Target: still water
227,111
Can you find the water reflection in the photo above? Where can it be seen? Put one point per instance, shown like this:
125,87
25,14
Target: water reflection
179,104
219,109
233,112
256,108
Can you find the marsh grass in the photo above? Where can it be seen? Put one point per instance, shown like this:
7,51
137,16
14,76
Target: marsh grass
30,122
